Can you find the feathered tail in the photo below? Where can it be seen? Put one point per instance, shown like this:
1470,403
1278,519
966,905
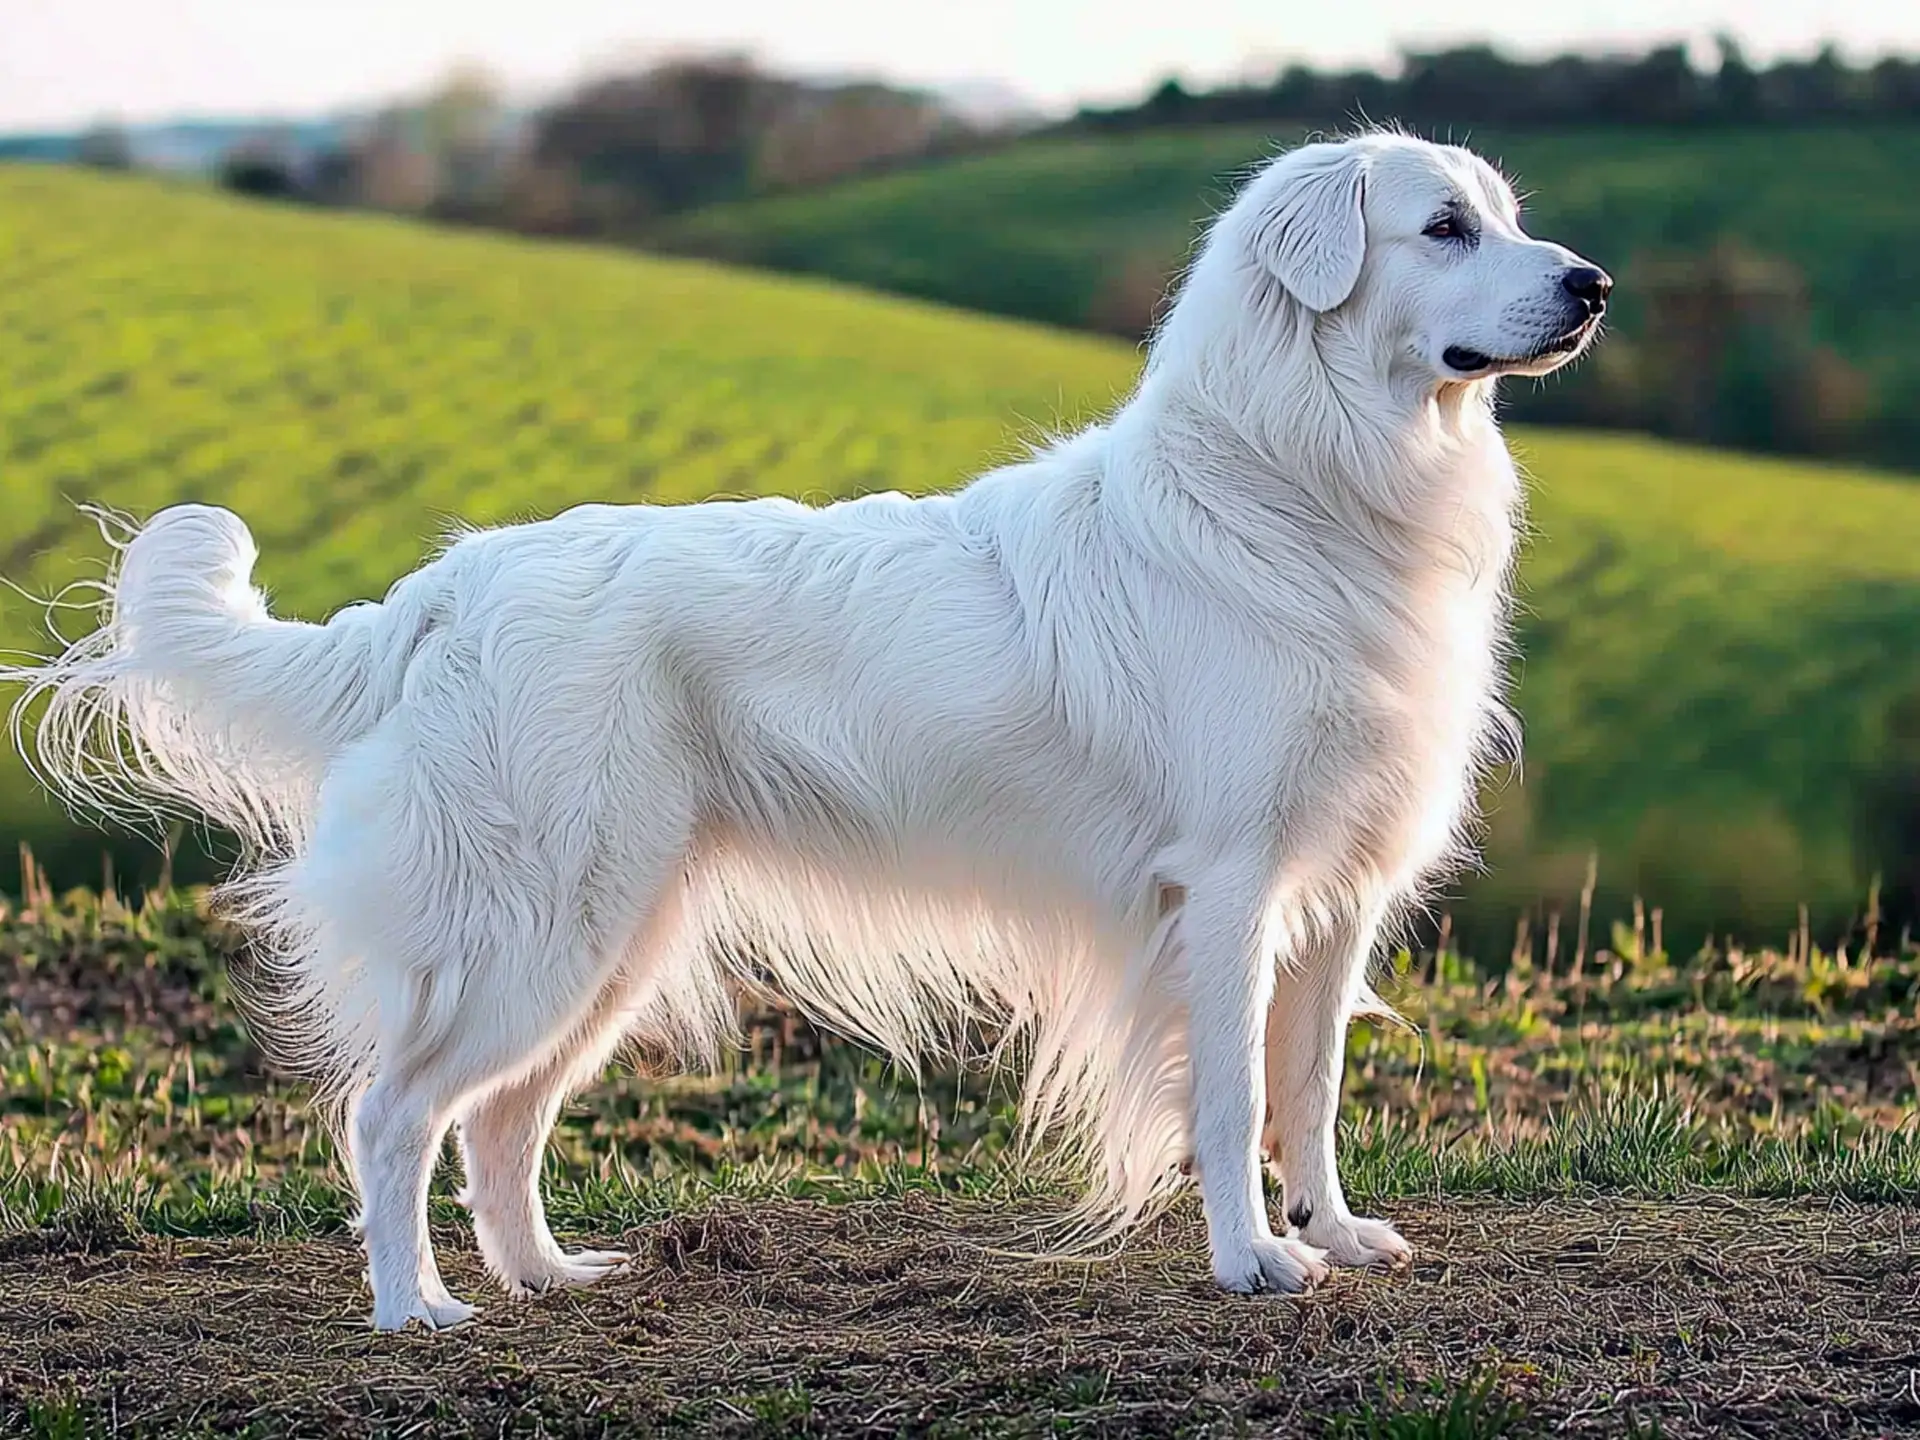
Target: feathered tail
190,700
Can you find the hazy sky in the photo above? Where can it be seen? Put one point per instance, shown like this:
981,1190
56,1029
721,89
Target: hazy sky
64,61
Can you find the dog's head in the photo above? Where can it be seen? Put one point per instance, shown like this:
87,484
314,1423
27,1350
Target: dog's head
1420,247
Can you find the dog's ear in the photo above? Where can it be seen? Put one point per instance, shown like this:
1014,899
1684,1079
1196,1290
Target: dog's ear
1310,230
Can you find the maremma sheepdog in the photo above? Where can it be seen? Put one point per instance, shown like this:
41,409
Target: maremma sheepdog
1125,752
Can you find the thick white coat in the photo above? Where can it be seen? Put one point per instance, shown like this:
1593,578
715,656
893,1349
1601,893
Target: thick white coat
1128,749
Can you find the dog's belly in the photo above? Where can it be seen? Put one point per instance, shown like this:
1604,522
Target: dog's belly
983,796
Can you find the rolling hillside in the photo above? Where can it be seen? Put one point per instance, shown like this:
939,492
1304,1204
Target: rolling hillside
1029,230
1717,648
1067,230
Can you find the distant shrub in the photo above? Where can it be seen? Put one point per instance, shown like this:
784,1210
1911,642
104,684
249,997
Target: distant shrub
1724,354
1131,295
105,147
261,174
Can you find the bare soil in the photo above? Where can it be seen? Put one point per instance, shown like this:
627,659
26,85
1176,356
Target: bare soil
1708,1317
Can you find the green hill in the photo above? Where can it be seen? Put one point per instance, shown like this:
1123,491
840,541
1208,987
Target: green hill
1715,646
1079,231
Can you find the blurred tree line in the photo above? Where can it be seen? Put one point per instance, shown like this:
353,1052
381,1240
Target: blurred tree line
1721,350
1720,346
1724,353
1476,84
613,154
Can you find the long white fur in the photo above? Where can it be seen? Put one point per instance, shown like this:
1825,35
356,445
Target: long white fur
1127,750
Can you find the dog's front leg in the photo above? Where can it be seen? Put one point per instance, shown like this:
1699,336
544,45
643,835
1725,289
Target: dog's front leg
1230,980
1313,1000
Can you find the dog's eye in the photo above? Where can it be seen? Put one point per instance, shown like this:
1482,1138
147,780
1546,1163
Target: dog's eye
1444,228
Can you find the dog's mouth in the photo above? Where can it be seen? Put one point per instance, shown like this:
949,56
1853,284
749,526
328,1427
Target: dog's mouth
1478,365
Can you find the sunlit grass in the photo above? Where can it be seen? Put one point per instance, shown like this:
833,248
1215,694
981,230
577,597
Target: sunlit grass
135,1097
1706,685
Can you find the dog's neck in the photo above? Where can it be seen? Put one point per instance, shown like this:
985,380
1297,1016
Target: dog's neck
1304,423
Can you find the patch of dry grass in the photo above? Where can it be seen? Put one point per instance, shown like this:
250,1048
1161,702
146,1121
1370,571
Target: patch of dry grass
1582,1156
1712,1317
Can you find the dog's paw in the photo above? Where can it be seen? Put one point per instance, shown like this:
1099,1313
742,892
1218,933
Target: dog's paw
1278,1263
438,1313
582,1267
1354,1240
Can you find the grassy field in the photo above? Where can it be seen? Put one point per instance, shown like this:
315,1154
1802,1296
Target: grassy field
1037,230
351,385
1680,1189
1707,685
1653,1190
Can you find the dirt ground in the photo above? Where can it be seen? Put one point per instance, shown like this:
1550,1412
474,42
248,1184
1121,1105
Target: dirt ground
1709,1317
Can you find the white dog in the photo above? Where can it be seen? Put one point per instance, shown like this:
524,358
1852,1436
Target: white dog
1129,748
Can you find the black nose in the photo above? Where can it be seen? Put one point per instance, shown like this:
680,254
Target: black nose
1589,285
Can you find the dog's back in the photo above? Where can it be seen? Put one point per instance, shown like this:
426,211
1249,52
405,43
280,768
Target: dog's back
1125,748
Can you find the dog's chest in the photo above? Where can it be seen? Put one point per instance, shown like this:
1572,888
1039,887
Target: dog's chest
1421,699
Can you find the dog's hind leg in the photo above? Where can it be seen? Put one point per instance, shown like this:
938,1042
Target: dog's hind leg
398,1124
502,1138
404,1114
503,1135
503,1130
484,942
465,1030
